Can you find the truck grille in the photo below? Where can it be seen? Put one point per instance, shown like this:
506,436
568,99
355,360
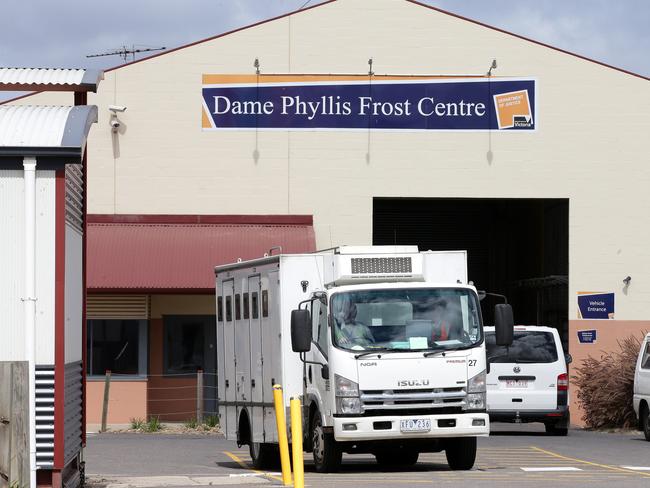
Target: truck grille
413,399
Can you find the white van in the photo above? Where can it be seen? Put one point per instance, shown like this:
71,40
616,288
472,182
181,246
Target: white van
528,382
642,388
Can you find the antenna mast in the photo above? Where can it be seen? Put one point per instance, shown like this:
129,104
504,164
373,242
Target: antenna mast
125,51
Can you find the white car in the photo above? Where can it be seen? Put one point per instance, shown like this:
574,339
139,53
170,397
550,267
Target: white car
528,381
642,388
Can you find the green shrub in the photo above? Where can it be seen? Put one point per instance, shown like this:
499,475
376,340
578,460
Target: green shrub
137,424
191,423
153,425
606,387
212,421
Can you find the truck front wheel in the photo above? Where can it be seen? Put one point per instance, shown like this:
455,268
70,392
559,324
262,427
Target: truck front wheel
327,455
461,453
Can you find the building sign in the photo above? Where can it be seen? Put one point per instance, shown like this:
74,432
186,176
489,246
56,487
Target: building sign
358,103
595,305
587,336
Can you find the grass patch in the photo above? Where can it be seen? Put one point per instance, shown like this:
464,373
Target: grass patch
153,425
211,421
191,423
137,424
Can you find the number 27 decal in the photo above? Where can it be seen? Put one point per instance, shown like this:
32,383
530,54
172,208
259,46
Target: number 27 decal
472,362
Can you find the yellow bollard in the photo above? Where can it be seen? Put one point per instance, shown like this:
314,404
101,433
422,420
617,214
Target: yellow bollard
280,420
296,444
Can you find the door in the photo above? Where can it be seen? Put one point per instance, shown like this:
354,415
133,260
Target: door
256,357
525,376
230,359
643,372
242,352
266,304
222,353
315,385
210,367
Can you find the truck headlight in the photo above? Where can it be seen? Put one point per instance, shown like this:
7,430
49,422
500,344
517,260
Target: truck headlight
345,387
347,396
349,405
475,399
477,383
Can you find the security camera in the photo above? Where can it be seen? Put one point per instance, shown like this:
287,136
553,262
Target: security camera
116,108
115,124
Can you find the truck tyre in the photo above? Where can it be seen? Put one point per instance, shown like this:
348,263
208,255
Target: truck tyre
645,421
327,455
264,455
403,457
461,453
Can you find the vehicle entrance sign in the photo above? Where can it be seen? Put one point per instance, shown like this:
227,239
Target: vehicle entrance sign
365,103
595,305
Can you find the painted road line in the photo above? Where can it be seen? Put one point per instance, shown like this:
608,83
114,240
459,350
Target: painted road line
238,460
174,481
582,461
637,468
551,468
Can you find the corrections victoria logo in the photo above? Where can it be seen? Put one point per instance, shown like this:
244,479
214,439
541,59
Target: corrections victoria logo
513,110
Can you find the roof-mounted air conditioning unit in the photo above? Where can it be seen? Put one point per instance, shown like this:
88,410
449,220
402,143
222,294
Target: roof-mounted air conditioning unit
367,268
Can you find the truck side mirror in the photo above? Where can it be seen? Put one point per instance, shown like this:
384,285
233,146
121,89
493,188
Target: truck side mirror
568,358
503,324
300,330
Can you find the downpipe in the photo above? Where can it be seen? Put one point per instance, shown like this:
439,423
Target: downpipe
29,304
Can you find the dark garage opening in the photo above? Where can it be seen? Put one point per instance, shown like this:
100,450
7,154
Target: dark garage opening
516,247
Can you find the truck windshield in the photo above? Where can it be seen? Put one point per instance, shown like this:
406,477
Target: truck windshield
405,319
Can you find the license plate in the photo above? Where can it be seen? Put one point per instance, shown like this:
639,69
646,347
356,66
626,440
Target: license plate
415,425
516,383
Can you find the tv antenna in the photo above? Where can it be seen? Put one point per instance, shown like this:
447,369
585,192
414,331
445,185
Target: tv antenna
124,52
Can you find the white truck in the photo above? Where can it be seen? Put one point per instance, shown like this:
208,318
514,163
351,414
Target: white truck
383,344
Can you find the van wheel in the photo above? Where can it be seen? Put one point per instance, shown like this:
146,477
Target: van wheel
461,453
553,429
327,455
645,421
263,455
404,457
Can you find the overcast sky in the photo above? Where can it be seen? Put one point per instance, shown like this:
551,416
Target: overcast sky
60,33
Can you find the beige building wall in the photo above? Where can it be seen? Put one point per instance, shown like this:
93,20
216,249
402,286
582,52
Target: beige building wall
181,305
591,145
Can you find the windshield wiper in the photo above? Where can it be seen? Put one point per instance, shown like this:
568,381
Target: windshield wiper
447,349
431,353
380,351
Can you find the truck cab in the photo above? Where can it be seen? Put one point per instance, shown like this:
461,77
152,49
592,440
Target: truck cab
394,367
406,368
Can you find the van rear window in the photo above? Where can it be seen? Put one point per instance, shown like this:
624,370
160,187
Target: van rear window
527,347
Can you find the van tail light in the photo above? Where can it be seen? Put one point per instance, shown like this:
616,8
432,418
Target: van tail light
563,382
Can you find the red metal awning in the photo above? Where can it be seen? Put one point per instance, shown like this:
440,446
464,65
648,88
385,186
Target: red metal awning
178,253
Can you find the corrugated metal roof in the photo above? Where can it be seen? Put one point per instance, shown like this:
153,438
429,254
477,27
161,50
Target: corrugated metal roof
49,78
54,132
29,125
180,256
